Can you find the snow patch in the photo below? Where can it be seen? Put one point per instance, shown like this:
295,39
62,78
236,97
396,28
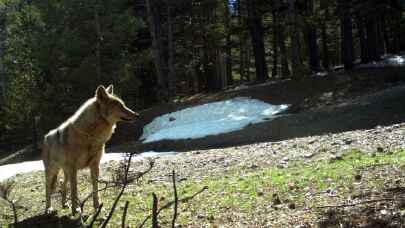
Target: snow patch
7,171
210,119
388,60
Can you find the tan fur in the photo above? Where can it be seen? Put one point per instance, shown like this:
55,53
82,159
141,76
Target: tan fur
79,143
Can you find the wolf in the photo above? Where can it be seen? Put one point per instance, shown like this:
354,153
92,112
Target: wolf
79,143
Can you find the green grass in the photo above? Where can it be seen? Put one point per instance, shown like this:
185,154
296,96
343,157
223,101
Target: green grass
245,194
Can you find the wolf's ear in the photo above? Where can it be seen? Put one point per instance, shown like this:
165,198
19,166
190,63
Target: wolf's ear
101,93
110,89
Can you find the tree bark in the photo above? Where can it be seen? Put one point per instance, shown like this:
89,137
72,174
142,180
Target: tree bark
171,52
363,41
158,51
275,42
98,39
346,35
295,39
324,35
285,71
228,47
257,38
312,40
372,38
2,75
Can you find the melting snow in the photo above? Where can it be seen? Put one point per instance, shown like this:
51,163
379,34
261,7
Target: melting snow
7,171
210,119
388,60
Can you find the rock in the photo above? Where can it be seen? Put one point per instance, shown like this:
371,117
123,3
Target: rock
357,177
291,206
276,199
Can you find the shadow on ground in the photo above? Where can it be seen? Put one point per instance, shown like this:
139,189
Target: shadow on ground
49,221
385,211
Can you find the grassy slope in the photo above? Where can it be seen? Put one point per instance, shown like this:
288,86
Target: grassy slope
242,197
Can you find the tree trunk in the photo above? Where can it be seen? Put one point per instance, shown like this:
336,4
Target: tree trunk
257,38
295,39
387,43
2,75
98,39
347,35
275,42
380,37
363,41
228,47
312,40
285,71
372,38
325,40
171,52
158,51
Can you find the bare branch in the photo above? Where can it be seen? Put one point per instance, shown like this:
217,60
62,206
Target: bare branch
95,216
358,203
155,223
124,214
5,192
185,199
176,200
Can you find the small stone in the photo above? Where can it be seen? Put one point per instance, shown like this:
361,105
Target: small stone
291,186
336,157
291,206
309,155
171,119
276,199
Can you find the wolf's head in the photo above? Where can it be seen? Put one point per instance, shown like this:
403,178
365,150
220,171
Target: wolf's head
112,108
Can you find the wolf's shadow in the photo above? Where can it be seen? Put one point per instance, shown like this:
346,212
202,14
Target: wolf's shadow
48,221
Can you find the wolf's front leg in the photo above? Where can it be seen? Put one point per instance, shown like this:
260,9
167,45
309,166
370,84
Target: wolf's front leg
51,174
95,171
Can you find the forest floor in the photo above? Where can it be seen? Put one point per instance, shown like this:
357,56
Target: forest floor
348,172
353,178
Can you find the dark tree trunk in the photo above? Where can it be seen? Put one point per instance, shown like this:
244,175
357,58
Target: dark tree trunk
171,51
380,37
158,50
363,41
295,40
2,75
325,40
275,42
347,35
98,39
228,47
257,38
372,45
285,71
385,35
312,40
